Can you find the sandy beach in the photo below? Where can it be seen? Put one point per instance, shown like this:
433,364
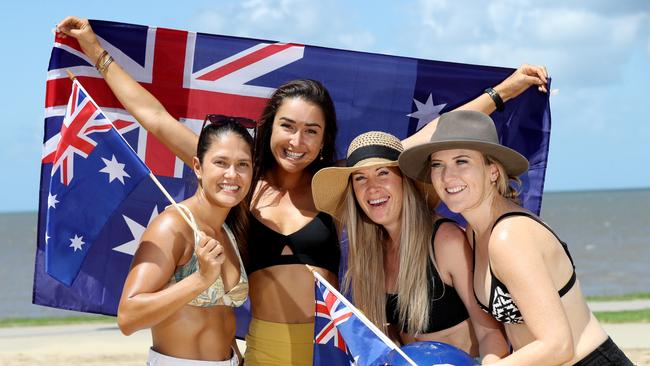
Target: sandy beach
103,345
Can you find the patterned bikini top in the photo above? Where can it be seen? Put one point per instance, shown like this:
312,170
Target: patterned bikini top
216,293
501,304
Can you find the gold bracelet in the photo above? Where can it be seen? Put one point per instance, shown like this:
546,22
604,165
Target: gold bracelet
104,66
100,59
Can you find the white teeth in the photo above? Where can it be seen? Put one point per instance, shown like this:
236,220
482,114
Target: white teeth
378,201
229,187
455,189
294,155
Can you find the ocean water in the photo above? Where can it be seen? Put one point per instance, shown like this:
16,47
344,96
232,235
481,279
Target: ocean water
608,233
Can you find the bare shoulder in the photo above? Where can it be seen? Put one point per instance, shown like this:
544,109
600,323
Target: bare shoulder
449,237
452,251
516,238
167,231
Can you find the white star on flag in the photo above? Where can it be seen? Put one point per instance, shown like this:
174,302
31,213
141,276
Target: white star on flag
136,232
47,237
114,169
76,242
51,201
426,112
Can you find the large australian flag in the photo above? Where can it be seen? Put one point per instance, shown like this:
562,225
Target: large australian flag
193,74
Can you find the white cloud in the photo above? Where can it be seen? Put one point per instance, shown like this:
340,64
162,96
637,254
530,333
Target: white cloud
302,21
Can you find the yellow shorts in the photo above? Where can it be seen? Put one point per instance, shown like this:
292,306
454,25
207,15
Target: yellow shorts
281,344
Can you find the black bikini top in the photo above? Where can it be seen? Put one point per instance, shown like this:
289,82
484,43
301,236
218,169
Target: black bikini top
315,244
446,309
501,304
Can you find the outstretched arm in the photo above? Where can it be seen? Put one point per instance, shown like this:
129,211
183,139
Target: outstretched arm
520,80
142,105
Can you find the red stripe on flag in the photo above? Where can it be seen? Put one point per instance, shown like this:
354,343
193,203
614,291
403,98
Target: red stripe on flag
68,41
244,61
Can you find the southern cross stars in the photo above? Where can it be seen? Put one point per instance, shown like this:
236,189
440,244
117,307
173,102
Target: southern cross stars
426,111
114,169
76,242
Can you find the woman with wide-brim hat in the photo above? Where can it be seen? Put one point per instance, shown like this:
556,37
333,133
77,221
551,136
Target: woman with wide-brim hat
407,271
523,273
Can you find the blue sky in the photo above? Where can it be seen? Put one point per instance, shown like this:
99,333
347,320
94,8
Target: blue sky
598,53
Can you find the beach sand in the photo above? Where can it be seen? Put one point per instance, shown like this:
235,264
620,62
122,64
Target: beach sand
103,345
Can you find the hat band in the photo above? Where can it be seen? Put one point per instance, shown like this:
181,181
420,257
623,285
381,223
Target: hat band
372,151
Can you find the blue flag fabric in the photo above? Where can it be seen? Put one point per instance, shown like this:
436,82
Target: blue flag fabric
193,74
94,170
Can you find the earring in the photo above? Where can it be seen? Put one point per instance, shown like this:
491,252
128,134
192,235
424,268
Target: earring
321,154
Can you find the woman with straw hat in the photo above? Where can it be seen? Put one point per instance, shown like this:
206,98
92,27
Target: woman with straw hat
523,273
405,268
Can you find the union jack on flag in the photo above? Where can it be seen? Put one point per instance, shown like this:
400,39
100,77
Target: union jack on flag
330,313
342,334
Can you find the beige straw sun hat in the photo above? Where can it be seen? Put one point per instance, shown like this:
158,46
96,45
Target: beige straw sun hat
371,149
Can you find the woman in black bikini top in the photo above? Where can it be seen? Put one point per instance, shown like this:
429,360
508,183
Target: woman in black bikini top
521,269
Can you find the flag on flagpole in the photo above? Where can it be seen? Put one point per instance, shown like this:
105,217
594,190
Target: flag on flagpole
93,171
343,335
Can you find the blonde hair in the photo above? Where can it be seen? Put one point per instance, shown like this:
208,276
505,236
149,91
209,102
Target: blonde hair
507,186
365,273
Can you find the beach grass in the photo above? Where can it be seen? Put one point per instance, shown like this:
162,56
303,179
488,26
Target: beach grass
626,297
626,316
32,322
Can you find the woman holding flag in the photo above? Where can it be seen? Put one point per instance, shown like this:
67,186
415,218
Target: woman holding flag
295,138
185,279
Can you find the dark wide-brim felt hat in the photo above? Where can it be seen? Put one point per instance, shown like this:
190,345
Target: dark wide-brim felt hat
463,129
370,149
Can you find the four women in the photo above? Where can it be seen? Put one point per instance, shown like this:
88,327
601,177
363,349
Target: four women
295,138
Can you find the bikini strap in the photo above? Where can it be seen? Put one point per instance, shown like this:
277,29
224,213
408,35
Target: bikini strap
539,221
197,238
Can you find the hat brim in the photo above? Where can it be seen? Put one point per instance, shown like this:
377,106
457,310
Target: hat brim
415,162
328,185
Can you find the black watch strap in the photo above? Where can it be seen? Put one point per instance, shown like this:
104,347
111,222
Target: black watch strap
498,102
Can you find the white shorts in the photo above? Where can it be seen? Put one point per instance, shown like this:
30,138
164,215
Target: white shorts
158,359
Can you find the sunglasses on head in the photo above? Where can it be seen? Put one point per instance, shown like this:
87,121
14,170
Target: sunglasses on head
220,120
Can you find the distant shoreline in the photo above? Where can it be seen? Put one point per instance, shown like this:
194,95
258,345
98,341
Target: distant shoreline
553,192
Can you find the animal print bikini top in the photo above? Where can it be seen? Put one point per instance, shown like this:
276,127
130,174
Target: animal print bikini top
216,293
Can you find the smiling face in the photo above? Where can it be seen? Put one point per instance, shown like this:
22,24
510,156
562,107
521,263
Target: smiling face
378,191
226,171
297,136
462,179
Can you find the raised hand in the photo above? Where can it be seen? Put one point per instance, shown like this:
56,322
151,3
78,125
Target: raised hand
81,30
524,77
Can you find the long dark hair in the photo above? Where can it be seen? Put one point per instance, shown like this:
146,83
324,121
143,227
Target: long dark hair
308,90
237,218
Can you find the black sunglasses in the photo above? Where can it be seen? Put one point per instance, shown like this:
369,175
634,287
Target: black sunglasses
220,120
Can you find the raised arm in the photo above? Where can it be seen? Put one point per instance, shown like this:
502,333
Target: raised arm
146,299
520,80
454,257
142,105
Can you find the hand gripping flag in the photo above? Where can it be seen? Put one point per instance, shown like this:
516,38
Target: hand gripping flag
194,74
342,334
93,171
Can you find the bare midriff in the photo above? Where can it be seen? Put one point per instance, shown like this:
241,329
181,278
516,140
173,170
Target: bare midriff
196,333
285,293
